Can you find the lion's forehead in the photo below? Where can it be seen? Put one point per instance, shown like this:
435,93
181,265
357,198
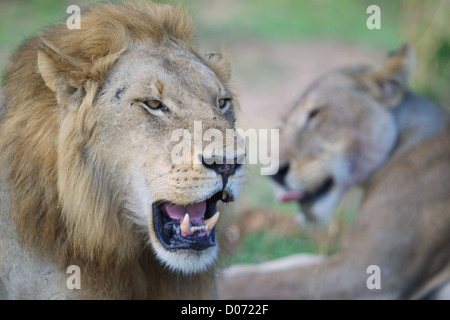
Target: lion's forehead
179,71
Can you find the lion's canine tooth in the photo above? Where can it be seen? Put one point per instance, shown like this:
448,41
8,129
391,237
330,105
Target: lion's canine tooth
224,195
185,225
211,222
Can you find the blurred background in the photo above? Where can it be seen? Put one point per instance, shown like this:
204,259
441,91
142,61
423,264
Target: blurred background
277,49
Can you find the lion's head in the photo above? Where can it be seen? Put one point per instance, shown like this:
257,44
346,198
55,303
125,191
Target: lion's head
91,134
340,131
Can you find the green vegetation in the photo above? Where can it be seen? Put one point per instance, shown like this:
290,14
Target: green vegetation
22,19
291,20
265,245
259,193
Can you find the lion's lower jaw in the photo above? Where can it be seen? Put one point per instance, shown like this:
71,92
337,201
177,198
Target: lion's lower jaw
187,261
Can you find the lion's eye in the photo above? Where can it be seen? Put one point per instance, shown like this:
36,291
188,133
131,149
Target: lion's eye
153,105
223,103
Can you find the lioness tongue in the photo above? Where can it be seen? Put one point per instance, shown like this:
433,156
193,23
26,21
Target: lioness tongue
291,196
196,211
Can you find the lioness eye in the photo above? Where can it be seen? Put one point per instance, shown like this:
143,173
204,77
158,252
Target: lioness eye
223,102
313,113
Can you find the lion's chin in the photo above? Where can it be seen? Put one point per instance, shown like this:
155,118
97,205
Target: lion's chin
187,261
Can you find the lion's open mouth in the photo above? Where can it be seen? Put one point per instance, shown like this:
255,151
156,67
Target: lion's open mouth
187,227
307,197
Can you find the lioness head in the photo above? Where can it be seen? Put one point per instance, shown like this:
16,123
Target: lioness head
339,132
119,110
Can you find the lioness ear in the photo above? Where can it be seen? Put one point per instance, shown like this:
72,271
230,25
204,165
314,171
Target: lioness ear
391,80
220,64
56,70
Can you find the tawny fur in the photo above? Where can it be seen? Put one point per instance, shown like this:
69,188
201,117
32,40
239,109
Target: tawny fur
82,218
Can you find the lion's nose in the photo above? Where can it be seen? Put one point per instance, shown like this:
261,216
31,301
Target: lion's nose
224,167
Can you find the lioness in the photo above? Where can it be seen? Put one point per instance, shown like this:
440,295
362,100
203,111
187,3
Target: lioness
87,175
362,125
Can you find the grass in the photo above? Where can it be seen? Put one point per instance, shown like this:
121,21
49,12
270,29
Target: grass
271,242
259,193
291,20
283,20
265,245
19,22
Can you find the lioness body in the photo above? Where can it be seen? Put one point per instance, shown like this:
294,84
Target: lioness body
86,165
395,144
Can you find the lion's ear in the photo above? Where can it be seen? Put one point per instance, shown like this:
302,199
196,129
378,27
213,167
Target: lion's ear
220,64
392,78
47,70
57,71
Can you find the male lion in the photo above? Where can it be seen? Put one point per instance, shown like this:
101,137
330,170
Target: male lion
361,125
85,156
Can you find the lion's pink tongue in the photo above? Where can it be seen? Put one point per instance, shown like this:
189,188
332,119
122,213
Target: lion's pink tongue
291,196
196,211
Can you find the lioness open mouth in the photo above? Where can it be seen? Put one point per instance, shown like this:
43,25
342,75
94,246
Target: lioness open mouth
187,226
308,197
